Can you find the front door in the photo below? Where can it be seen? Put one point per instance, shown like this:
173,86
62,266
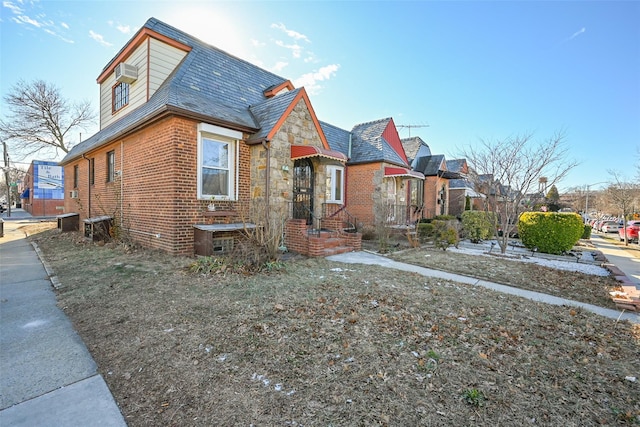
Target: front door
303,190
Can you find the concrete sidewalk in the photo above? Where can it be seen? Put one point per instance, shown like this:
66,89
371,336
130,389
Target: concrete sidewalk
374,259
47,376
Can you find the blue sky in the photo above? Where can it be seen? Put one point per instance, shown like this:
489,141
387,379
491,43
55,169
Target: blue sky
469,70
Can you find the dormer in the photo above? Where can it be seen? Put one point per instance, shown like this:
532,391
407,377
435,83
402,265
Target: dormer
136,72
278,89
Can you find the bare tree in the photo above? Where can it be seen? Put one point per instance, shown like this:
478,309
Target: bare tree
623,196
510,170
40,119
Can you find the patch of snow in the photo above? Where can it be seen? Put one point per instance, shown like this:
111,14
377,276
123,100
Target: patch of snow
568,265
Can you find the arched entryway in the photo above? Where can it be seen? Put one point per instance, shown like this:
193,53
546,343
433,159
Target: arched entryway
303,190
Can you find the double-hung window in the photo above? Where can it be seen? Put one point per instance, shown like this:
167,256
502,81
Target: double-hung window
92,171
335,184
119,96
111,166
217,151
75,176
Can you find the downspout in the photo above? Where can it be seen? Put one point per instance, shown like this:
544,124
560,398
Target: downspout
88,185
121,183
346,173
267,179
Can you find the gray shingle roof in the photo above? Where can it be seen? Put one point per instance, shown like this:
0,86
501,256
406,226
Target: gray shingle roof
268,112
429,165
414,146
455,165
460,183
209,83
368,145
337,138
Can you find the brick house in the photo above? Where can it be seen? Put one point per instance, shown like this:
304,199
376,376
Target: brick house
194,141
381,188
436,176
462,189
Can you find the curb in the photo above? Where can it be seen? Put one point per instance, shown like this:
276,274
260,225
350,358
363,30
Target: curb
55,282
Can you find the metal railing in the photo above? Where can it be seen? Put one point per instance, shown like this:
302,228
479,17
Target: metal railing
301,211
340,212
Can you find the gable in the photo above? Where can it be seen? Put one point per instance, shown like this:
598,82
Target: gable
390,135
272,114
202,82
369,143
154,61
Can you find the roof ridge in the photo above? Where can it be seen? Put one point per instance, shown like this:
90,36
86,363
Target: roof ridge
373,122
204,44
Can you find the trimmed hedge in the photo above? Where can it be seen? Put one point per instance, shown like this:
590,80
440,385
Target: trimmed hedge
550,232
477,225
426,232
587,232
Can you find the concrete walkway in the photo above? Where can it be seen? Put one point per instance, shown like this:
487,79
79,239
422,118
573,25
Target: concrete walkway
374,259
47,376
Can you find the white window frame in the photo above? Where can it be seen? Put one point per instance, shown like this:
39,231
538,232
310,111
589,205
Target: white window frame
226,136
331,188
392,189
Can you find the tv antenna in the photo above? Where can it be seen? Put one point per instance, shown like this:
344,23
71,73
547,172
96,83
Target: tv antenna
412,126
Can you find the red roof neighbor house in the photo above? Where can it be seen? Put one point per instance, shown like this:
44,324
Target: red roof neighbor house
435,190
381,188
195,145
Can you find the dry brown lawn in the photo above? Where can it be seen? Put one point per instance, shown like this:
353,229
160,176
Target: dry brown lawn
321,343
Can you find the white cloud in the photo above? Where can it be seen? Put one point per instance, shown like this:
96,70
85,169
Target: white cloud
22,19
53,33
124,29
64,25
296,49
577,33
293,34
12,7
257,43
97,37
574,35
280,65
310,80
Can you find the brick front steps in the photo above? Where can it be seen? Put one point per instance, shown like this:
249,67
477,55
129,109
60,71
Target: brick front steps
298,238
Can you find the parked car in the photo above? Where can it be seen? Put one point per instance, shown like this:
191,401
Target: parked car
632,231
610,226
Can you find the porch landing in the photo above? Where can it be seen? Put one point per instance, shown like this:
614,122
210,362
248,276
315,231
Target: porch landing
314,243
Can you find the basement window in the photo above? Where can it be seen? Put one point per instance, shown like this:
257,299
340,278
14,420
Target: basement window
222,246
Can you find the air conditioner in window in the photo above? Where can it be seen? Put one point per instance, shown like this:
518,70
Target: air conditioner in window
73,194
126,73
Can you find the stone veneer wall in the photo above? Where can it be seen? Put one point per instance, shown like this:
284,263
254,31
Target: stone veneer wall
298,129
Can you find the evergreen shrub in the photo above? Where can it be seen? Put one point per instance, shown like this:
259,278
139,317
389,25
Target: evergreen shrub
477,225
550,232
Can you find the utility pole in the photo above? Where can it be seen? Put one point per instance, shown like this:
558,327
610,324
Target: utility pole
6,177
412,126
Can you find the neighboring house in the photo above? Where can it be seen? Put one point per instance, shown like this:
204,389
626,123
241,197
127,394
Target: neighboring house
380,185
462,189
184,125
42,189
436,183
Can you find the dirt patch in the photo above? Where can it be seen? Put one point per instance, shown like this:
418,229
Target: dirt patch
322,343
